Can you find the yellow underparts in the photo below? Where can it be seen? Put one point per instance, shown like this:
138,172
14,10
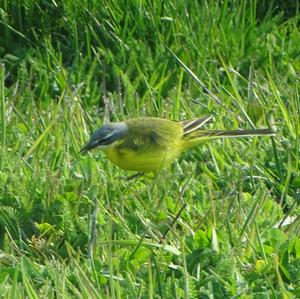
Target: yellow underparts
151,160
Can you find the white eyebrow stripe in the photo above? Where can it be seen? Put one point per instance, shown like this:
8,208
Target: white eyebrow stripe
105,137
110,134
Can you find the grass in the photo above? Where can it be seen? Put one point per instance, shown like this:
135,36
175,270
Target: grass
215,225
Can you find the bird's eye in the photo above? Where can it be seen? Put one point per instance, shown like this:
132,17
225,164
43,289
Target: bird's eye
101,141
105,140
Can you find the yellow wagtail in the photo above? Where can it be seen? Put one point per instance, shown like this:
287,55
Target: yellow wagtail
150,143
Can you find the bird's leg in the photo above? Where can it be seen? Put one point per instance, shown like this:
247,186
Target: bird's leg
136,175
94,232
172,223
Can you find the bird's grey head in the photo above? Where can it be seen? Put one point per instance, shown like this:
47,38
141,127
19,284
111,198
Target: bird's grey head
106,136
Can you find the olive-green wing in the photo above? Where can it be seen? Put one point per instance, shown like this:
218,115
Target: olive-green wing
148,134
191,125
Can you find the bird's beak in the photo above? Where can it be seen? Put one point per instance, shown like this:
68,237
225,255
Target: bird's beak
90,145
85,149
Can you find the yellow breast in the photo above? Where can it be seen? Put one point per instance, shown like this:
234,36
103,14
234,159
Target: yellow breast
142,161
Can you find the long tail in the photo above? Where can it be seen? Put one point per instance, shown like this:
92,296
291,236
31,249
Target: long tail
194,134
229,134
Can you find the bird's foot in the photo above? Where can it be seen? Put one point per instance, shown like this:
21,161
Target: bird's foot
136,175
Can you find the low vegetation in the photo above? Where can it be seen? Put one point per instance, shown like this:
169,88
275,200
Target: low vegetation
223,222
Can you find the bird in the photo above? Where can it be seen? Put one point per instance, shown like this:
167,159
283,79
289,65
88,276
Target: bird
148,144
